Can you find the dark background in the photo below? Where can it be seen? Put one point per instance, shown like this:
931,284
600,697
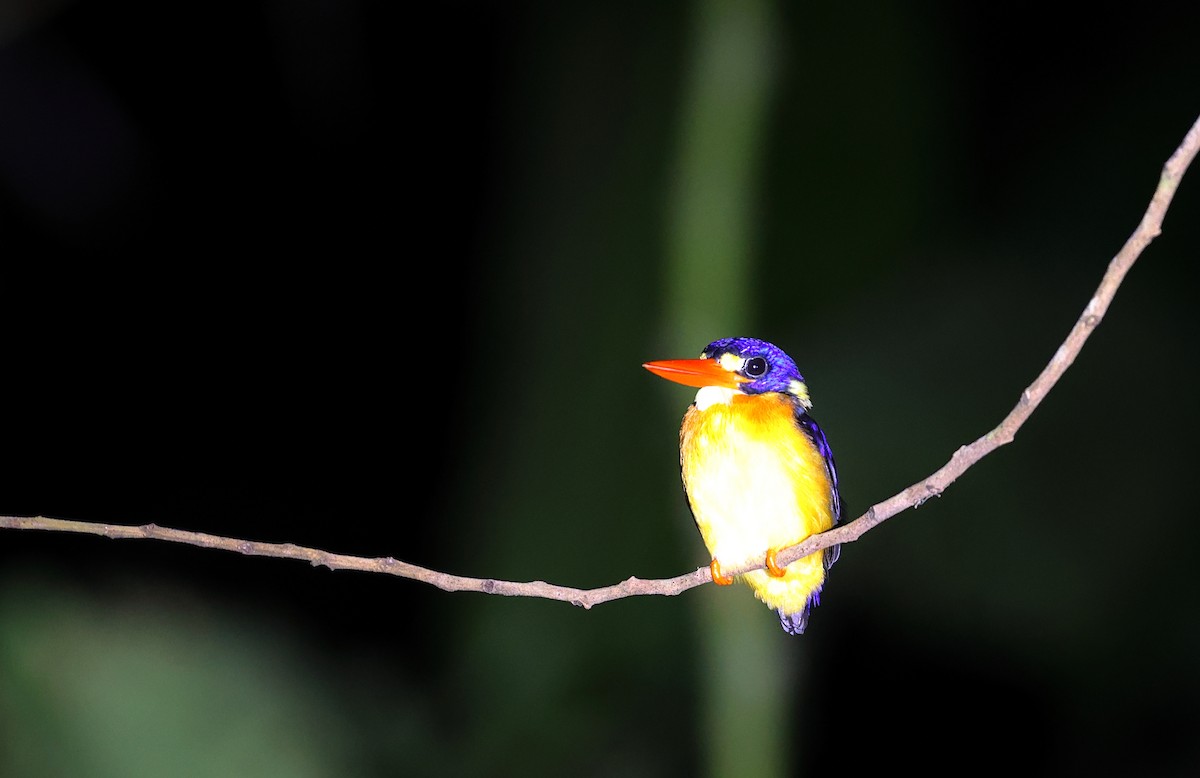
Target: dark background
379,280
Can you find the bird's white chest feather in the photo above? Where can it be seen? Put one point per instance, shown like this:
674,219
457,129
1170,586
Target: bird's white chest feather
741,484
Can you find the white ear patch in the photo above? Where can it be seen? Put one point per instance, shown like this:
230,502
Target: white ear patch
709,396
800,390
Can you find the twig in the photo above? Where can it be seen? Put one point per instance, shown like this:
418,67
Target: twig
585,598
964,458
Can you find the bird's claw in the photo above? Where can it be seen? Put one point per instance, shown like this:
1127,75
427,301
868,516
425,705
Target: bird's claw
774,570
718,577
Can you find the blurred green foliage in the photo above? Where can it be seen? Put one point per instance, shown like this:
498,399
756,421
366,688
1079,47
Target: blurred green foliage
150,684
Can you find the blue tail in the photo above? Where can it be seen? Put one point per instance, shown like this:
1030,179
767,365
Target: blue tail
795,623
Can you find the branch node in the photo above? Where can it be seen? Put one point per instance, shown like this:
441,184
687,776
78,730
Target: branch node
931,492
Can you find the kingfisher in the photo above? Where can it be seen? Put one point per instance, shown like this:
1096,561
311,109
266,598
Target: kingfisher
757,470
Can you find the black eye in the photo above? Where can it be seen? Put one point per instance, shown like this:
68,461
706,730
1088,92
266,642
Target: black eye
756,367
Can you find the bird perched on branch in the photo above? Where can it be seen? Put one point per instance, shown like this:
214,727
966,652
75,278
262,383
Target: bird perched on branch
757,470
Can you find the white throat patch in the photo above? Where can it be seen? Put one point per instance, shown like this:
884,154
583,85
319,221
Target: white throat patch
709,396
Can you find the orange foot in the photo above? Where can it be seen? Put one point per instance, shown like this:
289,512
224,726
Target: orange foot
718,578
773,569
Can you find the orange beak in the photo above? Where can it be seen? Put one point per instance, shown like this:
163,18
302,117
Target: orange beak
695,372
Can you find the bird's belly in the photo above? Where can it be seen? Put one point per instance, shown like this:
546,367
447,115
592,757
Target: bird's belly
755,485
743,505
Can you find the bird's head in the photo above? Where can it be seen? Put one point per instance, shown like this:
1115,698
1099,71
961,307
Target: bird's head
740,365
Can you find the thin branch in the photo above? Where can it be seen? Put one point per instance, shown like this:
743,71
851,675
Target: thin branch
584,598
964,458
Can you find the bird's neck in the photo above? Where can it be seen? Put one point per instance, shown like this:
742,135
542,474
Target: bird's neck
709,396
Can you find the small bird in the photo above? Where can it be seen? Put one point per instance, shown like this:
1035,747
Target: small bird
757,470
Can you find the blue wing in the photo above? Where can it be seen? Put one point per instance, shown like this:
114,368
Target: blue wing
817,436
